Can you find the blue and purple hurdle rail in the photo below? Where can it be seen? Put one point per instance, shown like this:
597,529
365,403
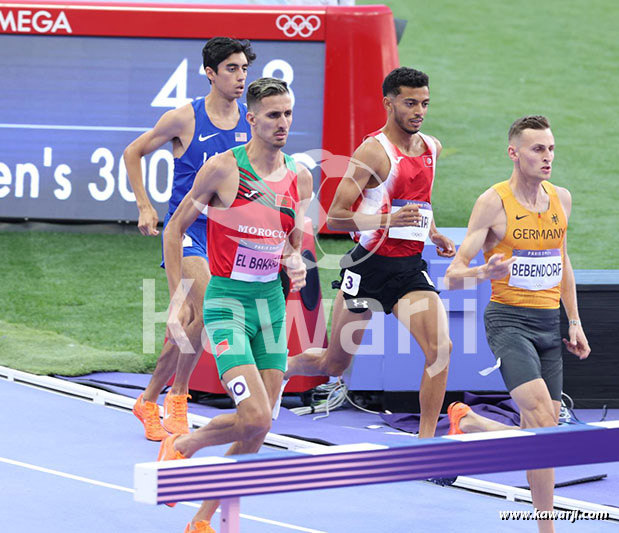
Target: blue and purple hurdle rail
232,477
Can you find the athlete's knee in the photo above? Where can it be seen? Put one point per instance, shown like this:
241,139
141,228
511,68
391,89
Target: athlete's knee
538,415
196,315
437,349
195,329
438,354
255,422
335,364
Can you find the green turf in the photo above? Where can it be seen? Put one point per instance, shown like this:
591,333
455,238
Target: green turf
73,303
87,288
45,352
489,63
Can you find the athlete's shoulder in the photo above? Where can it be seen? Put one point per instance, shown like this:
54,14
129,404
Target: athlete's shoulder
219,165
565,197
225,159
370,146
562,192
302,171
490,199
305,182
174,122
184,113
370,156
437,143
487,211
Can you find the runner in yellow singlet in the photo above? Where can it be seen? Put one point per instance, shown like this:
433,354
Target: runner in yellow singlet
521,226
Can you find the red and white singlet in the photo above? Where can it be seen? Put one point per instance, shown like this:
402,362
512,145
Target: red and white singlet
410,180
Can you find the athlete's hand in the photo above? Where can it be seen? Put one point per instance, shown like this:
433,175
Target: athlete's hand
578,344
497,267
147,221
445,247
296,270
407,215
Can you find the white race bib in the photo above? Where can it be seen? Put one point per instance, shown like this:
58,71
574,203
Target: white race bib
350,283
256,261
412,233
536,270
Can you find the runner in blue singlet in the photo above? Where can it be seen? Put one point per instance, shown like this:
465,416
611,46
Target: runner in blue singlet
197,130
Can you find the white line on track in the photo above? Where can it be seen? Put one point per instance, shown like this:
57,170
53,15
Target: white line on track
127,489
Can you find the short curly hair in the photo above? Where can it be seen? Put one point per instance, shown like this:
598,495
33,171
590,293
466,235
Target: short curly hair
404,76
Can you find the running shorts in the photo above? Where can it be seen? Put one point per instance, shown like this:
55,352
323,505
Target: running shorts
246,323
377,282
528,342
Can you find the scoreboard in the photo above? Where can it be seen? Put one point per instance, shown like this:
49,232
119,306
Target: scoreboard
80,81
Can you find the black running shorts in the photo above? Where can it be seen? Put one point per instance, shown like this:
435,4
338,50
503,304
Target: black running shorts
377,282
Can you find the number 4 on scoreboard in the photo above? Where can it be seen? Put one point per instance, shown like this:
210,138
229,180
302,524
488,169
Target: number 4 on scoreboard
177,83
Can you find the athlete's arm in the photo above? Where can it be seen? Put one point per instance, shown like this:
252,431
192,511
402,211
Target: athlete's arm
208,181
445,247
367,162
485,213
292,260
169,126
577,343
304,186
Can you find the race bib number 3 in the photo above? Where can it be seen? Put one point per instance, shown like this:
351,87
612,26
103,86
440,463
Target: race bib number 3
350,282
412,233
256,261
536,270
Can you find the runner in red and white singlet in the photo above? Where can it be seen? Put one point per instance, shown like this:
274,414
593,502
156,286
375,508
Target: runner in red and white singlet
410,179
384,198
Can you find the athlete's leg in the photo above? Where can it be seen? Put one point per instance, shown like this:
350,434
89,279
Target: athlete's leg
345,338
251,420
472,422
146,408
171,361
247,427
166,366
195,268
175,403
538,410
422,312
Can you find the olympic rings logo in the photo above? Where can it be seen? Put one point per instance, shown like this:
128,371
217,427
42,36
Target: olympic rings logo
297,25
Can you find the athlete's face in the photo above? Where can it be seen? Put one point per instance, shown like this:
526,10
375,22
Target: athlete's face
408,108
230,77
532,152
271,119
